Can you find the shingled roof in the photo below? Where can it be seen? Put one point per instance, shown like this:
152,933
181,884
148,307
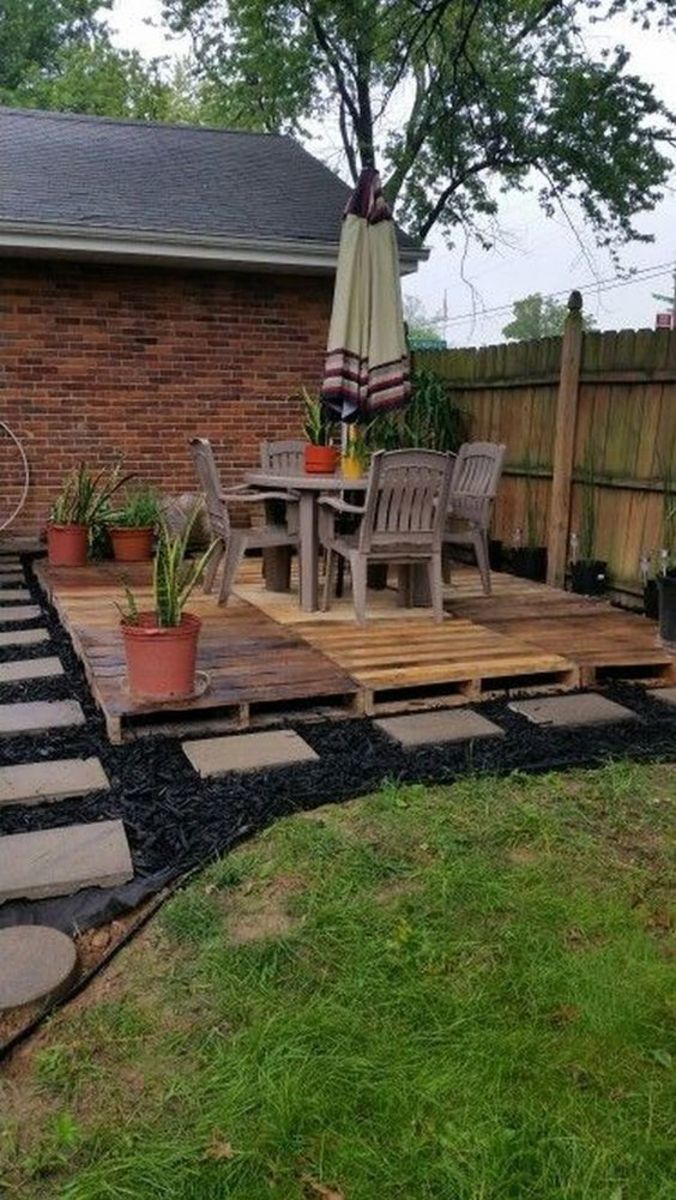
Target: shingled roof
188,191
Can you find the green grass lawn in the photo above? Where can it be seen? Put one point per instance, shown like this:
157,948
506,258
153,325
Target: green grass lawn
461,993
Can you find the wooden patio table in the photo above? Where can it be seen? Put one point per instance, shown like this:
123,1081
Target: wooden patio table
310,488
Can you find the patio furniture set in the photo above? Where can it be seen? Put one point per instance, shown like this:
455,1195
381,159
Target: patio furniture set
405,512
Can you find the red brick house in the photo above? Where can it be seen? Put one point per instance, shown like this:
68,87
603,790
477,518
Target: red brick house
156,281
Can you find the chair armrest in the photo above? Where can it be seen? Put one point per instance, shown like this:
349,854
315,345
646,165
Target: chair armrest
259,497
341,506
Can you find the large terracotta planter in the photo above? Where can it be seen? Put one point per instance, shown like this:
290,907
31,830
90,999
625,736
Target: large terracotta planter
161,661
320,460
67,545
132,545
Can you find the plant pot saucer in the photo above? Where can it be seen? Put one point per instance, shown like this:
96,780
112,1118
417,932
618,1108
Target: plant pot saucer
202,684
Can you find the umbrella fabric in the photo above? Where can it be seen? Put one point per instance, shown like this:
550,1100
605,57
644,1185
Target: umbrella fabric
367,365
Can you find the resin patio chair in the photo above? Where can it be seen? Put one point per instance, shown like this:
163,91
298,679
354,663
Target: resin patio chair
474,484
402,522
234,542
284,458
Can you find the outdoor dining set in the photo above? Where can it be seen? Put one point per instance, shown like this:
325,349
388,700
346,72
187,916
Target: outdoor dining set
411,505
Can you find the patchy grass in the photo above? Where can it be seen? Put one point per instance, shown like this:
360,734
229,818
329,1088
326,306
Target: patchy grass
460,993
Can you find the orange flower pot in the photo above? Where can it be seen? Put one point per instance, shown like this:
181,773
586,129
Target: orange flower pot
132,545
161,661
67,545
320,460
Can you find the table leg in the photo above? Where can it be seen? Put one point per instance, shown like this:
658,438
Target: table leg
309,552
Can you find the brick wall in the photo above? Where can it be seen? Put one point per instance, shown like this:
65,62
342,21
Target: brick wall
98,361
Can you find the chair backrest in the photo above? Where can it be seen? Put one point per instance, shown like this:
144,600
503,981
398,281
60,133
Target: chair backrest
210,483
475,479
283,458
406,499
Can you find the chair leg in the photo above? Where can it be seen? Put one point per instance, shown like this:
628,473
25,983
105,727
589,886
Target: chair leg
340,578
233,557
212,568
480,540
358,568
446,564
434,575
328,580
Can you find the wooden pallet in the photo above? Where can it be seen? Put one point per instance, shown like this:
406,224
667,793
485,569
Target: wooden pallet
259,673
606,643
405,664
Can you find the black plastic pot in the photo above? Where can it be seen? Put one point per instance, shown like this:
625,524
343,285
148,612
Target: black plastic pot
651,599
667,590
495,554
530,562
588,577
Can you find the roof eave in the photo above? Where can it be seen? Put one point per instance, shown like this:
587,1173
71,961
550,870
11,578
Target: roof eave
179,249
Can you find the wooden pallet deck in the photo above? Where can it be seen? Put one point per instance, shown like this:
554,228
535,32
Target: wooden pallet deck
267,662
605,642
258,670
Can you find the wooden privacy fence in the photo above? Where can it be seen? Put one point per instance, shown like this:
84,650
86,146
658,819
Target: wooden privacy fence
560,404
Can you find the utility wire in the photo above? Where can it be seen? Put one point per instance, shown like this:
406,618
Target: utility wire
658,270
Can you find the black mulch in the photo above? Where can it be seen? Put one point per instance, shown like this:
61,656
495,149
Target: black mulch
175,821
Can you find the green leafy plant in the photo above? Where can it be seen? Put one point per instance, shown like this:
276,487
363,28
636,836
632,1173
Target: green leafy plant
357,448
140,510
317,424
85,496
174,575
429,422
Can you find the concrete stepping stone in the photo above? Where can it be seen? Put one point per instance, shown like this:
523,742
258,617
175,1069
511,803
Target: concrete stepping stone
39,716
562,711
23,637
20,612
427,728
7,577
7,594
247,752
35,783
58,862
36,963
30,668
665,695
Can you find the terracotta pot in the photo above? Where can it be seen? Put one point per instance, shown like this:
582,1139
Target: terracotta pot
67,545
132,545
320,460
351,467
161,661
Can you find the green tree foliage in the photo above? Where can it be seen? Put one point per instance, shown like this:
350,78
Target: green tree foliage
423,332
450,97
538,316
57,54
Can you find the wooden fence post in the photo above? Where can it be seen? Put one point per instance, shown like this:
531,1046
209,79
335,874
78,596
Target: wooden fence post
564,443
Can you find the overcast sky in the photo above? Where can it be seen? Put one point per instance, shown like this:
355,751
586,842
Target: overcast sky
540,254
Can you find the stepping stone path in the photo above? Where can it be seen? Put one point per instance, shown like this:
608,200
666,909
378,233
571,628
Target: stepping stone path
563,711
7,594
23,612
35,783
23,637
30,668
423,729
39,716
247,752
10,577
665,695
36,963
58,862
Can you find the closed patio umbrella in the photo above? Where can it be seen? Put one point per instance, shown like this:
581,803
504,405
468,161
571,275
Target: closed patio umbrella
367,364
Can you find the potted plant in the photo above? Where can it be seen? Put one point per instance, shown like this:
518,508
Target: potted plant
161,645
588,575
321,457
650,570
133,525
355,458
83,498
529,560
